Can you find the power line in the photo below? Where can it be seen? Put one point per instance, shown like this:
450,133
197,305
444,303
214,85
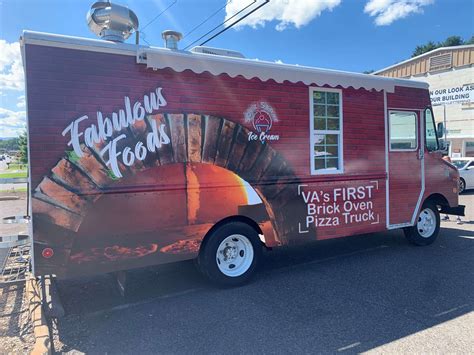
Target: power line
207,19
236,22
156,17
204,35
142,36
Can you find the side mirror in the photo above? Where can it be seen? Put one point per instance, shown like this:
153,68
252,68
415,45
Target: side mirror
440,129
443,146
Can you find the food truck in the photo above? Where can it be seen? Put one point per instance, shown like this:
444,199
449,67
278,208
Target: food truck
142,156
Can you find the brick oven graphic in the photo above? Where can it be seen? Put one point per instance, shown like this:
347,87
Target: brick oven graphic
65,202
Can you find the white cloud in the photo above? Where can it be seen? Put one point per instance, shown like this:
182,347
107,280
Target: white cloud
21,103
279,61
388,11
12,123
286,12
11,67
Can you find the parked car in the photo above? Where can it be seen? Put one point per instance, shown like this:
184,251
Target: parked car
466,173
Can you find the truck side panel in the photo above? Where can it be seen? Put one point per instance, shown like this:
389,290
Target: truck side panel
205,165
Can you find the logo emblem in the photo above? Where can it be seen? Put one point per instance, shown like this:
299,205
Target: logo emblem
262,116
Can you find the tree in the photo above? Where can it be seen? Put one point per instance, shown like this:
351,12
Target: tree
8,144
448,42
23,146
452,41
424,48
368,71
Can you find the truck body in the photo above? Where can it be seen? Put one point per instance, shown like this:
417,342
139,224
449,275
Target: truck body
137,154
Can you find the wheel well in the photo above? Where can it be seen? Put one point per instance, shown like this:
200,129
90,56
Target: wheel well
438,200
237,218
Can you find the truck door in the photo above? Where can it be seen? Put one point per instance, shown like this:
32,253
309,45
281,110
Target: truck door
405,167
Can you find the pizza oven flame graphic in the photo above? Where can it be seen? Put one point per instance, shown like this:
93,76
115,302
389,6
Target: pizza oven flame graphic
262,121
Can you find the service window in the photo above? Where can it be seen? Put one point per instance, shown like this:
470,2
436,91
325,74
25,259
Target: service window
403,131
431,138
326,131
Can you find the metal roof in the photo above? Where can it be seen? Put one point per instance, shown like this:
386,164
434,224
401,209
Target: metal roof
429,54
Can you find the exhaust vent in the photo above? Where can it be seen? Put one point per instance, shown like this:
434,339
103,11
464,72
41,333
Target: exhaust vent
171,38
217,51
111,22
443,61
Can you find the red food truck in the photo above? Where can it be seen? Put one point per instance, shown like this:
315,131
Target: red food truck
142,156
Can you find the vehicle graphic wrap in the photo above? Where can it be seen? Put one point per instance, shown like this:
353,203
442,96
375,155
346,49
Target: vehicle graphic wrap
132,166
195,167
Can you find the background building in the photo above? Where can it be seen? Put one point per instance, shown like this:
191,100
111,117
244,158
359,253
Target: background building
450,73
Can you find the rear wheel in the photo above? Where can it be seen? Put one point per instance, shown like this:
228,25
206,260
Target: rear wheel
230,255
462,185
426,229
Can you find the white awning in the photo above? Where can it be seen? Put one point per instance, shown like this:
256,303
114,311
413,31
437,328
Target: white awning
158,58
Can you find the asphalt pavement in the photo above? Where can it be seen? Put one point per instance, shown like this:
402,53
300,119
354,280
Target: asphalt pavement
10,207
13,187
372,293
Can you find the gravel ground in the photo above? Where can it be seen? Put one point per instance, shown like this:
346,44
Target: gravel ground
16,334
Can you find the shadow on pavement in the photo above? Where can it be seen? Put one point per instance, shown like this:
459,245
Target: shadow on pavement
350,294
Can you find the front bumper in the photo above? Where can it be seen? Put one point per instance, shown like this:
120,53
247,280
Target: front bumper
457,211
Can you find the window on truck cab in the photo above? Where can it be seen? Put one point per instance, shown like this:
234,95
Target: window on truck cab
326,131
431,137
403,131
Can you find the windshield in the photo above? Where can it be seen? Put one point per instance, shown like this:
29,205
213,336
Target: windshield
460,163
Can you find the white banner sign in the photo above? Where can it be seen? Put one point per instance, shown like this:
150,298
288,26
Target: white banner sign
452,95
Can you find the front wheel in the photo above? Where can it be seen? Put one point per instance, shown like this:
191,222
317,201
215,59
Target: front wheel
231,253
462,185
426,229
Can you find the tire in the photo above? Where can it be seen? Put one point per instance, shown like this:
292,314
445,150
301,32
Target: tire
462,185
230,255
426,229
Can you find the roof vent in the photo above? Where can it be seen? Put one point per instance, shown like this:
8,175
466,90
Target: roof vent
171,38
442,61
217,51
111,22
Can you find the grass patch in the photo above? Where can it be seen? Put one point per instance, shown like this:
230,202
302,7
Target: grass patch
19,174
17,189
17,166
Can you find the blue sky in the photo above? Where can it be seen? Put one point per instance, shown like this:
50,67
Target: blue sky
352,35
